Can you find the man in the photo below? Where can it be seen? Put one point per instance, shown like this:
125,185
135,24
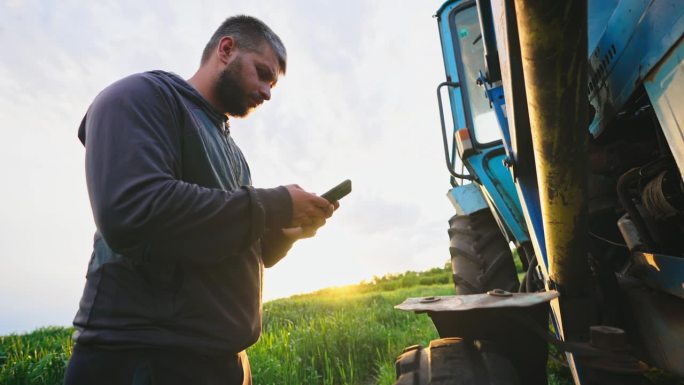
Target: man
173,290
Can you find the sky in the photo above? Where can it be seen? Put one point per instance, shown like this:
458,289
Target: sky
358,102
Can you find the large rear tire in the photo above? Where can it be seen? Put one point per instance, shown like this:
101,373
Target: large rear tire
480,257
454,361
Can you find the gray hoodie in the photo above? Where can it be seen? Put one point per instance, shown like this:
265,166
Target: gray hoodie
182,237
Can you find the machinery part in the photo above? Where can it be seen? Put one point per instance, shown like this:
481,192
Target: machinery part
449,163
658,319
553,47
494,299
533,279
518,324
467,199
637,37
627,180
630,233
663,196
661,199
664,87
491,55
659,271
614,341
487,317
500,293
553,44
481,259
454,361
608,359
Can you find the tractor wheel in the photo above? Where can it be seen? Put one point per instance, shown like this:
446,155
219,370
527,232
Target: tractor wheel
454,361
480,257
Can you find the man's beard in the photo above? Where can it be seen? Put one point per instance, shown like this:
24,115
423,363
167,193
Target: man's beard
230,92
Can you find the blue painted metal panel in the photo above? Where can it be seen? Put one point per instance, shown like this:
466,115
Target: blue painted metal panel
498,183
662,271
638,35
599,12
530,196
467,199
665,88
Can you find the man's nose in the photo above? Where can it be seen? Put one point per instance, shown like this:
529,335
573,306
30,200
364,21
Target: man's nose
265,92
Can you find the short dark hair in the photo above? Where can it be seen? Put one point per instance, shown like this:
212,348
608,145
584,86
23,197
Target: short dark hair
249,33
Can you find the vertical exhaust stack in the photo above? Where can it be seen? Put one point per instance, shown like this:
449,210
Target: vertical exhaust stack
553,44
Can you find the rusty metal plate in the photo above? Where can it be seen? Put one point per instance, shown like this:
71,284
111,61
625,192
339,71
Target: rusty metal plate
475,301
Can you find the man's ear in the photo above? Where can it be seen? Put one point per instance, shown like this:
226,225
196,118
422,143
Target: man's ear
226,49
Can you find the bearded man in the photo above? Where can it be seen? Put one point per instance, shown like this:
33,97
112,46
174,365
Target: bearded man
173,288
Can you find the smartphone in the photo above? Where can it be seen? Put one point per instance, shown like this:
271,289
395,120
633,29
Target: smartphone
338,192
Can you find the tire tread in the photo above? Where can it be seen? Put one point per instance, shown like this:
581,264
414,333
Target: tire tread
480,257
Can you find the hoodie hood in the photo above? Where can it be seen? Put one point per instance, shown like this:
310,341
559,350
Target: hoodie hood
188,91
168,80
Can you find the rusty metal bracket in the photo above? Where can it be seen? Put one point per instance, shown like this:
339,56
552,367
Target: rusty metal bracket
605,352
498,299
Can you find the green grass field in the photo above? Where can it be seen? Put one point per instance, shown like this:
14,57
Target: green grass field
348,335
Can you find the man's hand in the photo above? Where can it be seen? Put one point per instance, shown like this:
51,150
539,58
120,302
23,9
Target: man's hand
305,226
302,232
309,210
297,233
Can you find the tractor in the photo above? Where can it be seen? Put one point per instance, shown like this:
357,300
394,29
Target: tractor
563,138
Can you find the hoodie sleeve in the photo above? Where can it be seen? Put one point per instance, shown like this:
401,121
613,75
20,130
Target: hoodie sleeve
142,208
274,247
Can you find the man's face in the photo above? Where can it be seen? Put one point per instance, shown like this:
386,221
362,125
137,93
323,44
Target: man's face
247,81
